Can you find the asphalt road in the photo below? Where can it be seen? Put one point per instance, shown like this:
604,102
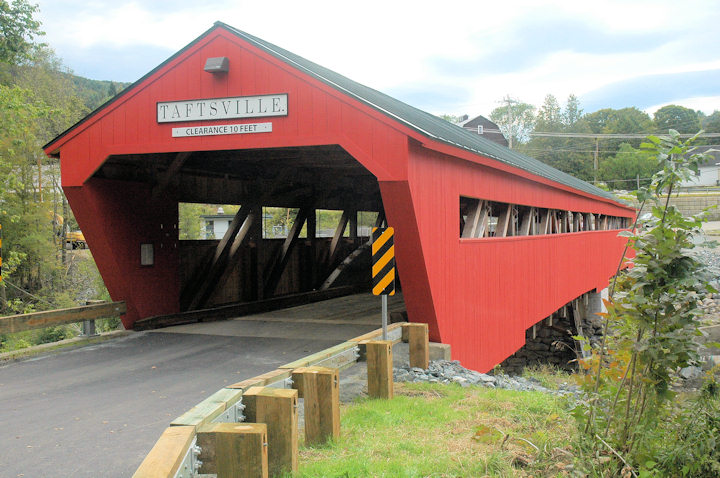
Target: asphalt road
96,411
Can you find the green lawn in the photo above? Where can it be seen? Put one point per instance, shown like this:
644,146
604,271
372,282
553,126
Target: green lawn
442,431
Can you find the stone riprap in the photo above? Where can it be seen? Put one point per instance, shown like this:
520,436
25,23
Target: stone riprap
445,371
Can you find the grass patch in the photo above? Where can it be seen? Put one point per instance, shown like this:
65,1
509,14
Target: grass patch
443,431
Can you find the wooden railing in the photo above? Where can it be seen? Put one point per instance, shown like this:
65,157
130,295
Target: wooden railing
50,318
204,440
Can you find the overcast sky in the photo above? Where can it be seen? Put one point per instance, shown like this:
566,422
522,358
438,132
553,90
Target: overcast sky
447,56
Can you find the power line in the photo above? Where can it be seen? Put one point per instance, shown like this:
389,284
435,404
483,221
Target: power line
612,135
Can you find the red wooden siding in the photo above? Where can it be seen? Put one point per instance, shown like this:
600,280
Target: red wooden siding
479,295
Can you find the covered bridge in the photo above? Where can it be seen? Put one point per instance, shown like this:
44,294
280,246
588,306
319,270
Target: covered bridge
488,241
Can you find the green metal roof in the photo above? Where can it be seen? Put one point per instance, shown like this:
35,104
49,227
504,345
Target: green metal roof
424,123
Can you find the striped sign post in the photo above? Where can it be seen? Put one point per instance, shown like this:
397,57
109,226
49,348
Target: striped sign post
383,268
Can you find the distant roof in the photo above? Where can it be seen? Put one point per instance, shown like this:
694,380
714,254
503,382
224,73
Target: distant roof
426,124
712,150
489,129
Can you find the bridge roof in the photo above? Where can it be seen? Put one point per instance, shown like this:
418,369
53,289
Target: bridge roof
426,124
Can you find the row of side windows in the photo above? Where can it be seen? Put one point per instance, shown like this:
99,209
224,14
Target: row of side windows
481,218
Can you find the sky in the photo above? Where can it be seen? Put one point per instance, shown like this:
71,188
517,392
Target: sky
445,57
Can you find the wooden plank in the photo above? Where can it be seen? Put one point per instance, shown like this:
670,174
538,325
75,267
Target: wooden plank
164,180
167,454
278,409
49,318
262,380
504,221
528,220
199,288
378,333
319,356
380,369
546,222
419,343
233,450
245,308
319,388
473,218
208,409
282,260
339,231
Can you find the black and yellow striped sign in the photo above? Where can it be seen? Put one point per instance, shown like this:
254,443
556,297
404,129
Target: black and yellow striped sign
383,261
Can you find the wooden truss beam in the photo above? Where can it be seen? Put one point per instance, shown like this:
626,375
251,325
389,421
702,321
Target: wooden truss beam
332,277
504,220
528,222
204,283
477,220
163,181
282,260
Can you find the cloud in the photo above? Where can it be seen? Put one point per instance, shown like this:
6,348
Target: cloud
111,62
431,97
531,41
651,90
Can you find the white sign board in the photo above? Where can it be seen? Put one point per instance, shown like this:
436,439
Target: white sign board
217,129
222,108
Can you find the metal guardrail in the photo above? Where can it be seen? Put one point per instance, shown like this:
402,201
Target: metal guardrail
49,318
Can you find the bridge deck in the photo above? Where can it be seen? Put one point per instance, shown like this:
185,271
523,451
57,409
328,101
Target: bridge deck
97,410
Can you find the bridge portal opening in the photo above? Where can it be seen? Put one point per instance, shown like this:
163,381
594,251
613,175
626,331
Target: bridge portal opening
253,225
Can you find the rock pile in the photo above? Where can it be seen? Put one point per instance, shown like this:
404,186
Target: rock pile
445,371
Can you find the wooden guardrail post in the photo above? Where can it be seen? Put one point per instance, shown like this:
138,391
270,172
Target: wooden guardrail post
234,450
278,409
319,388
380,369
419,344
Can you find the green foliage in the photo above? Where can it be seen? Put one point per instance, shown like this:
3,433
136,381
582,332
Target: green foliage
446,430
515,119
18,30
651,320
679,118
622,169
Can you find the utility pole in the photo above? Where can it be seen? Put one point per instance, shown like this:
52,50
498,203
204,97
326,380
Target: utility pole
509,102
597,150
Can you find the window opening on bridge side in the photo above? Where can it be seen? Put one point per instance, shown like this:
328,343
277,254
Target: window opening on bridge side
480,218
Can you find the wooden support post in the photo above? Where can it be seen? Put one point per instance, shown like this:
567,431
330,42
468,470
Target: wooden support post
319,388
353,218
337,237
380,369
256,236
164,180
276,407
503,223
528,220
534,331
473,220
546,222
204,282
290,241
419,343
234,450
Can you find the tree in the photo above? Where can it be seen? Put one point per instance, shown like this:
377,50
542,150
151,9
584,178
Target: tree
515,119
19,30
652,317
711,123
622,170
679,118
573,113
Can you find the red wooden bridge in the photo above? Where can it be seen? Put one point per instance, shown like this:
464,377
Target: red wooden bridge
488,241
